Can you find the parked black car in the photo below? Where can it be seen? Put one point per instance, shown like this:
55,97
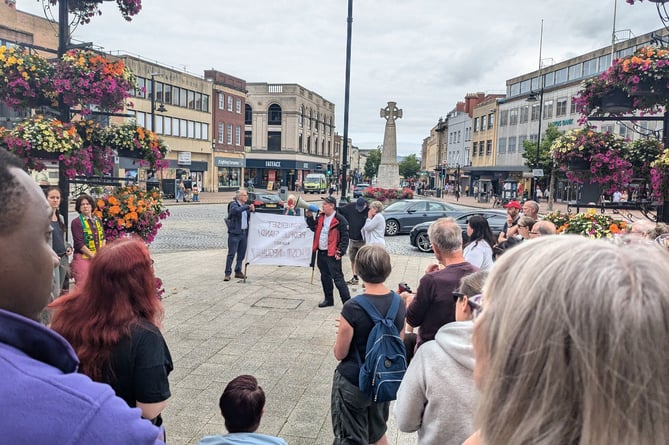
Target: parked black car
266,202
402,215
496,219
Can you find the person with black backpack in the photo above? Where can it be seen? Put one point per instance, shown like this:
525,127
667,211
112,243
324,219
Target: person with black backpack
371,353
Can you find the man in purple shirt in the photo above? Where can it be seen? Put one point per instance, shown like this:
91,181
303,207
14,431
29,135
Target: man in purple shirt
43,399
432,305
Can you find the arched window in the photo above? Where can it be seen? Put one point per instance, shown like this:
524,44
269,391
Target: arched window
248,115
274,115
300,116
309,118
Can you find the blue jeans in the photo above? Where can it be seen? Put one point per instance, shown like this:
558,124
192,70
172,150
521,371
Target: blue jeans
236,246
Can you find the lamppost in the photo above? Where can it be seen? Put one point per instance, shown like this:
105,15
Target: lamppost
347,88
533,98
161,108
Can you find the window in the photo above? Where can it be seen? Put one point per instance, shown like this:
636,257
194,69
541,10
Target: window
525,86
159,92
248,137
561,76
604,62
309,118
175,126
458,136
191,99
167,94
548,109
476,124
515,89
141,87
205,103
535,84
589,67
491,120
167,125
198,130
273,141
512,144
191,129
483,122
183,98
572,107
198,101
205,131
575,71
248,115
238,135
503,118
229,133
300,147
622,130
524,113
474,148
561,106
300,117
274,115
535,112
183,128
176,92
513,116
521,143
501,145
238,106
549,79
229,103
488,148
141,119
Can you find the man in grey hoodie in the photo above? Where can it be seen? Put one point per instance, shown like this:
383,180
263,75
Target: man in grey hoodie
437,395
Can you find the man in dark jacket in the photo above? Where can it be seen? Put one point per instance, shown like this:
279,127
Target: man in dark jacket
238,232
330,243
356,215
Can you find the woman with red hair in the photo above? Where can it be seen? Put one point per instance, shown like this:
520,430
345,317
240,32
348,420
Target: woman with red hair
113,322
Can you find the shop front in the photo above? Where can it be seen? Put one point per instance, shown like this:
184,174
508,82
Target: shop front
229,173
272,174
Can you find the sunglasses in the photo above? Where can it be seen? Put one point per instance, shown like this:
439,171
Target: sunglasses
473,302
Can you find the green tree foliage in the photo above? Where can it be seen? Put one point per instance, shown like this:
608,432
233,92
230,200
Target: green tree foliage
545,160
372,164
409,166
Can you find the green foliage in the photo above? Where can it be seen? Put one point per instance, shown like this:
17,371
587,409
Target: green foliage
545,159
409,166
372,164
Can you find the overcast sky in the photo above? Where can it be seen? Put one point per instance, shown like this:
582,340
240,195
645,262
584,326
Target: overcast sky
423,54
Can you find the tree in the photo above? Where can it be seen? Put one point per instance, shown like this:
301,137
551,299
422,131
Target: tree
372,164
545,159
409,166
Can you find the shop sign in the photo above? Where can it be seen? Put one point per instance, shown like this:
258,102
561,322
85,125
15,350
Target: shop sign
225,162
273,164
183,158
562,122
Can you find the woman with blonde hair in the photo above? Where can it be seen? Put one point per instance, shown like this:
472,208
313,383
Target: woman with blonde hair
579,356
375,225
113,323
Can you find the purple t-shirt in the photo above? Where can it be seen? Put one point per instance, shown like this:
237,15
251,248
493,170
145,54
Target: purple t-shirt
433,305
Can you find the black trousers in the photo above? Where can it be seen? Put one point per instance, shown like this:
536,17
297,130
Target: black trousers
331,276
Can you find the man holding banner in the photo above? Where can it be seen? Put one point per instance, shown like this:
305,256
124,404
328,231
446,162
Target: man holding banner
330,244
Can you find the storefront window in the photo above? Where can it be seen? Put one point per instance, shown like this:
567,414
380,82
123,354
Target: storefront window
229,176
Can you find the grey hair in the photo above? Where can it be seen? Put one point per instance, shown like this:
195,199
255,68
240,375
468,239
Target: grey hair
527,221
445,234
534,205
544,227
372,264
376,205
472,284
237,192
572,344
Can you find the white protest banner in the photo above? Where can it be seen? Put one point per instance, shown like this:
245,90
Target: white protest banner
279,239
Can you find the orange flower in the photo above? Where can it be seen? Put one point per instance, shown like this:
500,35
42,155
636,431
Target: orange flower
101,203
113,201
114,210
613,228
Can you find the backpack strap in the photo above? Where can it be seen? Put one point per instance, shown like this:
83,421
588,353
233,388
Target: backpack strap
367,306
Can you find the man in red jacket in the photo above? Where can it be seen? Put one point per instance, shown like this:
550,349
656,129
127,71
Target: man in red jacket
330,244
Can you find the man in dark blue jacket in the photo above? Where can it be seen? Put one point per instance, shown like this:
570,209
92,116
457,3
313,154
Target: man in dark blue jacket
238,232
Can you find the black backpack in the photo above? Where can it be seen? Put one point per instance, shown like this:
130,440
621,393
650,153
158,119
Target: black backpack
385,360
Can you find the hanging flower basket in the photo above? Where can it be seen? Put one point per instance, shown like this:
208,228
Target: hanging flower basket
131,211
590,224
86,9
616,102
86,78
659,175
25,79
132,141
604,153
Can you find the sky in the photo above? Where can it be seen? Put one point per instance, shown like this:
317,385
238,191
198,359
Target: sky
426,55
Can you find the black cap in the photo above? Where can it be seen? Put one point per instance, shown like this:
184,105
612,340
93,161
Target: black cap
330,199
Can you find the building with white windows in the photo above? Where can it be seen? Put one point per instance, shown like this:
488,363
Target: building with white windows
519,117
291,133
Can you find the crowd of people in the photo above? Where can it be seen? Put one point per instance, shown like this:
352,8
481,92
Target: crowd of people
556,340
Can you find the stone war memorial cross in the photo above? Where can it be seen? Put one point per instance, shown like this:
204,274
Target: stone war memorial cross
389,170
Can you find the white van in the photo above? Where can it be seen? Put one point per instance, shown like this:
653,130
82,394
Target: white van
315,183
